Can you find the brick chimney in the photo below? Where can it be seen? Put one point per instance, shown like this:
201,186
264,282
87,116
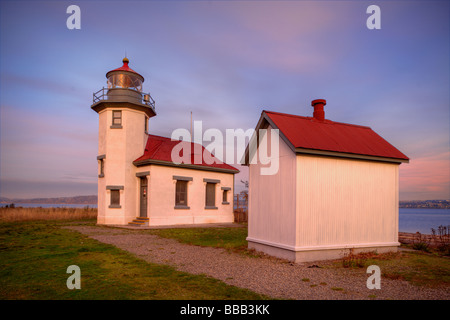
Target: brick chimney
318,105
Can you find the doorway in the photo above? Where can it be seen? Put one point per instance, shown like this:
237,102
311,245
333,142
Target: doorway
143,197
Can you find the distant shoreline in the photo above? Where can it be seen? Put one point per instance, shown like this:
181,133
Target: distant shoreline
87,200
425,204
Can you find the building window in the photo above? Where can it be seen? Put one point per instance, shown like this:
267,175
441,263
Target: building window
210,196
116,119
101,166
115,196
181,192
146,125
102,169
225,191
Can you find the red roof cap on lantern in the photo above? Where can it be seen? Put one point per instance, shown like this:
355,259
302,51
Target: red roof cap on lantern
124,67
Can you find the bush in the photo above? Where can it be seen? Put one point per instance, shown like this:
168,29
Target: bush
422,246
421,242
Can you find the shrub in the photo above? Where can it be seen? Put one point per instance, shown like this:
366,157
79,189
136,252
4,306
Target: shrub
421,242
352,260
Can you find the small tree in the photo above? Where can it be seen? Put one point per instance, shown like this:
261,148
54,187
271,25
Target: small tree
244,193
442,239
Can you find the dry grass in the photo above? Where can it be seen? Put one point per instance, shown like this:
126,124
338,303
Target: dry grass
29,214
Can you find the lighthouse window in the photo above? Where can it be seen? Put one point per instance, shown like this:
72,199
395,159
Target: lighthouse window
115,196
102,169
101,164
117,119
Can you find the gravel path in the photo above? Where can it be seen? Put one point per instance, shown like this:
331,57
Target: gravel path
270,276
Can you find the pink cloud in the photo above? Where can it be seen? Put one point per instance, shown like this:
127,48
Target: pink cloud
426,176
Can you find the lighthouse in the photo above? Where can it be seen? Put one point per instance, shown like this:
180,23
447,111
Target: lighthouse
123,110
138,183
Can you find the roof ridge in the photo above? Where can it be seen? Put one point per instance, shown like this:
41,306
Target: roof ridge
311,118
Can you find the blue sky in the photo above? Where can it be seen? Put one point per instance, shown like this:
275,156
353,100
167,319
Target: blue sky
225,61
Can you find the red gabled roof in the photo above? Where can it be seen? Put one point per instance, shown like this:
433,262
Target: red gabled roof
309,133
160,149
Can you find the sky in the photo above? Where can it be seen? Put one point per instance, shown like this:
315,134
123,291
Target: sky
224,61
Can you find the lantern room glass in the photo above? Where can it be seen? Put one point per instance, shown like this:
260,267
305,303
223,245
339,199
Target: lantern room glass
127,81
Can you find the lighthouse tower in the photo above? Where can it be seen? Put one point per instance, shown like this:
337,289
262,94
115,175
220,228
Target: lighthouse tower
123,111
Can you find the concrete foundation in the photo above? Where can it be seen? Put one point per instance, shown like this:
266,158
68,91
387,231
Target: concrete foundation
317,254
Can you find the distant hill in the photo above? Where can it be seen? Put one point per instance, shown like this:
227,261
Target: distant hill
61,200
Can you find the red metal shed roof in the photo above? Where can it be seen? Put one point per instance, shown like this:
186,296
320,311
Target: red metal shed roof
160,148
308,133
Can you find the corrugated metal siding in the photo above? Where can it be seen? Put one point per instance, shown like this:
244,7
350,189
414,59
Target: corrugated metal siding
272,200
345,202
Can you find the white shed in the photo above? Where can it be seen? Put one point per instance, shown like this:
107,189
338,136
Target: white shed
336,189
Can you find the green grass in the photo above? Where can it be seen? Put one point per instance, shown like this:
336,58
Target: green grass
227,238
35,255
417,267
421,269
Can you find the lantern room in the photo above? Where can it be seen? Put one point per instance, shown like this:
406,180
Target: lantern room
125,78
124,85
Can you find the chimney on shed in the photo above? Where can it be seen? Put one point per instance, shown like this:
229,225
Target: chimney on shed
318,105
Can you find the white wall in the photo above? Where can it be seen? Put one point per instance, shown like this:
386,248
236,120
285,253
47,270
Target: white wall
161,199
344,202
121,147
101,203
272,210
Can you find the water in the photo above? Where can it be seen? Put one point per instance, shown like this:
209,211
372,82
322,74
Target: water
50,205
422,220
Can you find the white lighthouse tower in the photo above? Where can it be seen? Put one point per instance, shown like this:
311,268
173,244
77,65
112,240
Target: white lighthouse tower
123,111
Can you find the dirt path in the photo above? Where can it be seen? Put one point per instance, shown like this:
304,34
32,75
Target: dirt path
265,275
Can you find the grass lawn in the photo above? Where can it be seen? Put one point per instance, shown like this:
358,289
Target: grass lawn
227,238
419,268
35,255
